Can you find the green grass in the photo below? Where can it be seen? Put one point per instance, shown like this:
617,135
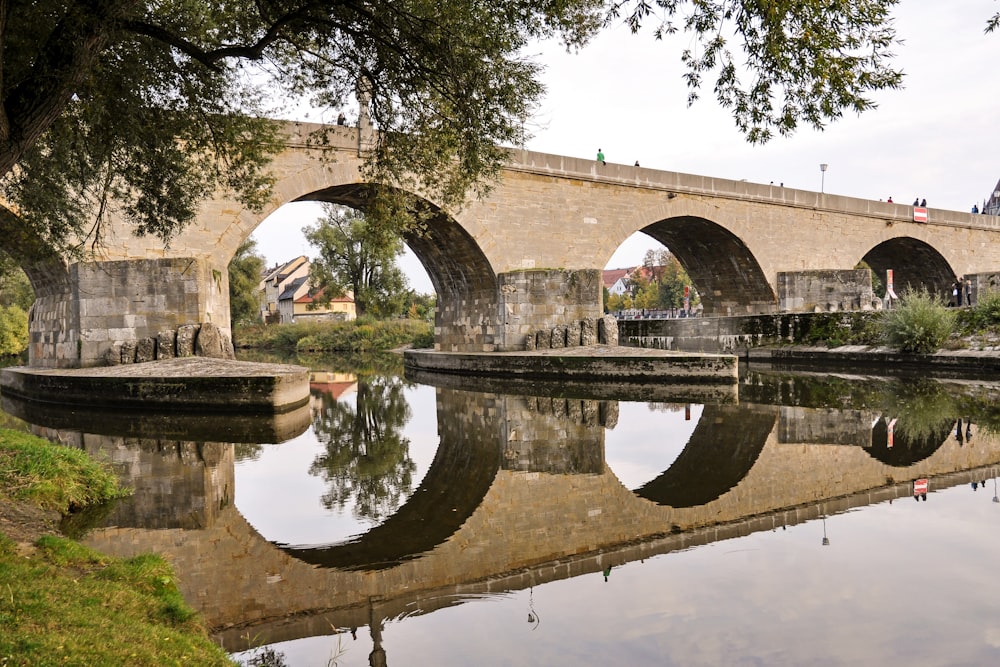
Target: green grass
69,605
51,476
66,604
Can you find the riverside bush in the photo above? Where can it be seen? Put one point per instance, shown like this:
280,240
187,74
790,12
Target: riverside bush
919,324
983,316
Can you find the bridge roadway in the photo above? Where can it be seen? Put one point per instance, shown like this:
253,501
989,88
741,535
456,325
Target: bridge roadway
518,493
525,259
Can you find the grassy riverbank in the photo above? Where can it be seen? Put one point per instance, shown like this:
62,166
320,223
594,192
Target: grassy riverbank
63,603
361,335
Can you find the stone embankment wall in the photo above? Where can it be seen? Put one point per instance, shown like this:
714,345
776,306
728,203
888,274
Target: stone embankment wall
188,340
738,334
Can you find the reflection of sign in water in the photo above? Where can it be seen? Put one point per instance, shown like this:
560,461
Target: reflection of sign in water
919,487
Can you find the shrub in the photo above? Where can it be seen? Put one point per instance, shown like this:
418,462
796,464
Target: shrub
984,315
919,324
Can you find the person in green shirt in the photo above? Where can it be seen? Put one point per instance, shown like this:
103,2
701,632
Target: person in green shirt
600,156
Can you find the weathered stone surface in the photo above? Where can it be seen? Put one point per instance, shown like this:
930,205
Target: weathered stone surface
588,333
166,344
186,333
573,334
195,382
529,342
128,352
113,357
607,330
210,342
228,349
543,340
145,350
558,337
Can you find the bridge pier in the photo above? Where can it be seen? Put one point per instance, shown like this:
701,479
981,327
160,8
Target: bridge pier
501,318
830,290
81,313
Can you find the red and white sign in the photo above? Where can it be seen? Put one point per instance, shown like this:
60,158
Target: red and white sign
919,487
919,214
888,281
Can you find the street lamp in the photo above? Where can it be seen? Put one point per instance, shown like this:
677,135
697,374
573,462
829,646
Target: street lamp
995,202
822,176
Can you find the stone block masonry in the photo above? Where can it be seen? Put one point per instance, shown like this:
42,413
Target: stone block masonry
104,307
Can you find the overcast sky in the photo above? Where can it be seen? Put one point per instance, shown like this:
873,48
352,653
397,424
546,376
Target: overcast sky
938,138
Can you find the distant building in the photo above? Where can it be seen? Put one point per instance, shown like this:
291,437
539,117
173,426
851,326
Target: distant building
619,281
991,205
275,281
305,307
288,297
616,280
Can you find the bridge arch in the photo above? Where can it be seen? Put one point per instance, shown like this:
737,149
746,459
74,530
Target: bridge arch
461,274
455,264
725,272
915,265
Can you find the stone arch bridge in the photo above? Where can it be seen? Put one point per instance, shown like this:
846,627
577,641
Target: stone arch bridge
527,257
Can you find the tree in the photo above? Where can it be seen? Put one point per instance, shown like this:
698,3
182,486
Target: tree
357,257
13,330
671,279
15,290
421,306
805,61
245,271
147,106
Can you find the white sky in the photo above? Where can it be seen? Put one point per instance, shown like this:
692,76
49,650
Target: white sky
938,138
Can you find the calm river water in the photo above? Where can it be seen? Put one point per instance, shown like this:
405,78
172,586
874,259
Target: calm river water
792,520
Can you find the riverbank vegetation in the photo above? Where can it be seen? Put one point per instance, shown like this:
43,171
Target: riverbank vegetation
361,335
63,603
918,323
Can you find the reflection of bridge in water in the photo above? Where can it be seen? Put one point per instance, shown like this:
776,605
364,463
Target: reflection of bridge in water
518,494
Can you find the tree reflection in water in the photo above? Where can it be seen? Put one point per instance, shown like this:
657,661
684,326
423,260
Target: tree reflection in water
366,458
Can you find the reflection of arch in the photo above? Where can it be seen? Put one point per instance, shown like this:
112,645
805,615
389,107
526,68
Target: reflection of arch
906,449
728,278
722,450
464,466
914,264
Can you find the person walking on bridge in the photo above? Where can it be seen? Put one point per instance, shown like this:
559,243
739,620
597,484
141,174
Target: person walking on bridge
600,156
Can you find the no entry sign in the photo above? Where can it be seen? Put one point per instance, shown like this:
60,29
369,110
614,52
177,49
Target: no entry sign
919,214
